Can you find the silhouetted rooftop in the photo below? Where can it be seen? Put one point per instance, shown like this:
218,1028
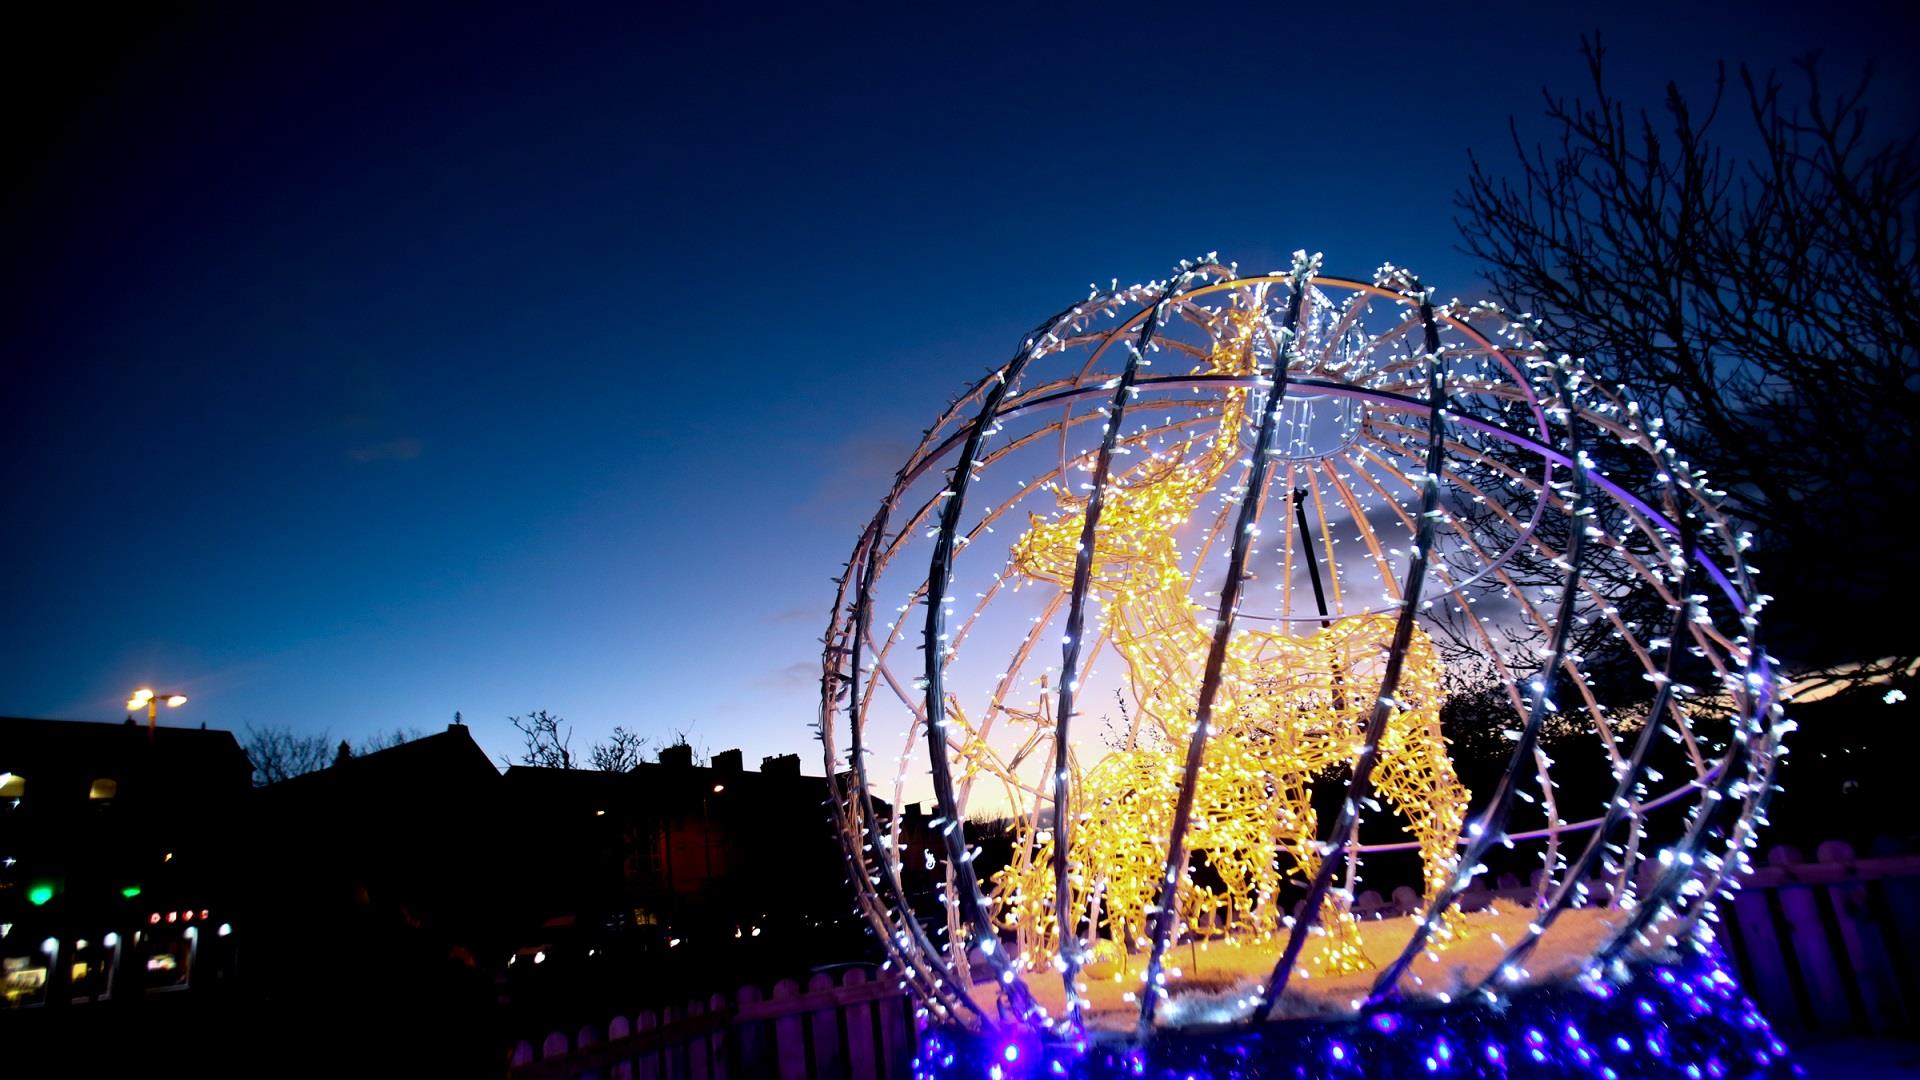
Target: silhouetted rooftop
104,749
427,760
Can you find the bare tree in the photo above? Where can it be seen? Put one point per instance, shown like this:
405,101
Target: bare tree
1759,293
278,754
700,753
376,742
546,744
387,740
619,752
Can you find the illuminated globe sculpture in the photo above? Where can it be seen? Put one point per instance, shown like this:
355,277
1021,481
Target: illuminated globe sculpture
1159,628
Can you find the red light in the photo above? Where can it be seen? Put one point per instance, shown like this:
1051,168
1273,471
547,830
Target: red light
153,919
203,914
189,914
173,916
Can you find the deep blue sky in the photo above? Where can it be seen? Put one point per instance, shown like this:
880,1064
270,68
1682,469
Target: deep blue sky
361,368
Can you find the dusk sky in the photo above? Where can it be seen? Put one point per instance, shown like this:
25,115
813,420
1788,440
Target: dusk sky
365,367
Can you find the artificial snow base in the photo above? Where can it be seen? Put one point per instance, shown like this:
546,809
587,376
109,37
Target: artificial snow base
1685,1019
1216,982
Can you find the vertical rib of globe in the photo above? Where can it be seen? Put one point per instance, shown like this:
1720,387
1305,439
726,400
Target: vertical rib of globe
972,905
1756,705
1076,620
1303,271
889,870
1360,783
1492,821
1623,789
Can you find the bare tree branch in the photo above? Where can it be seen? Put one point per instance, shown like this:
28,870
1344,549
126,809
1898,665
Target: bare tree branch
546,745
1759,293
278,754
619,752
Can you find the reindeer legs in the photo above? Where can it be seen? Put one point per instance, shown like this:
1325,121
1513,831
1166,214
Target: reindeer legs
1417,777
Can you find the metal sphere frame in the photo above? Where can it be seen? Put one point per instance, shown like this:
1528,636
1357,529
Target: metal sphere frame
1421,400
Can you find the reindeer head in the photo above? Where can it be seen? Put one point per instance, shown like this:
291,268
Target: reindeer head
1134,546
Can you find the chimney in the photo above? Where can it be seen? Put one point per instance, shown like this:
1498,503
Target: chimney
729,761
677,757
780,765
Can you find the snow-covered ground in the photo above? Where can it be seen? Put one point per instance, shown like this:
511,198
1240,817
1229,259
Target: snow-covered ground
1216,980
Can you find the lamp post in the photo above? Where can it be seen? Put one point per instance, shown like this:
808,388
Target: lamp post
152,702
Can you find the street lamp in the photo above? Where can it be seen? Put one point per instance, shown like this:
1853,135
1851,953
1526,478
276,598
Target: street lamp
152,702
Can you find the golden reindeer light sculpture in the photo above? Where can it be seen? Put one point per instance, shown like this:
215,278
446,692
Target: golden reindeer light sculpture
1284,715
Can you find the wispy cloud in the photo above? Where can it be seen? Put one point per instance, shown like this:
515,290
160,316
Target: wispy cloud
796,676
405,448
855,474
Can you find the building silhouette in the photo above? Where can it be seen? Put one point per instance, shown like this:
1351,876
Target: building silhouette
414,894
118,859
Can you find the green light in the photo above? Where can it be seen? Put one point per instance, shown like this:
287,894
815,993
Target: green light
130,891
40,894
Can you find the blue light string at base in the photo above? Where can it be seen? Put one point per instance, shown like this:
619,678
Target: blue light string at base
1685,1019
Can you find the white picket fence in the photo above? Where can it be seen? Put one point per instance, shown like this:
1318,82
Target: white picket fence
1831,946
860,1029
